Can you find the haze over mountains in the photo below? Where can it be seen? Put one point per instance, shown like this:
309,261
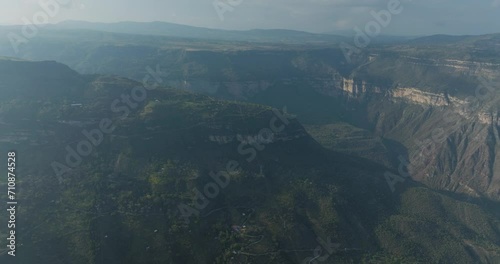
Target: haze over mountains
182,31
392,156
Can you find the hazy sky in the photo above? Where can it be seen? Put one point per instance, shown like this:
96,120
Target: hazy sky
418,17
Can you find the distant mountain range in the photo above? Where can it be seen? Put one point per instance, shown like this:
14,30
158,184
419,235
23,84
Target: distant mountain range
167,29
177,30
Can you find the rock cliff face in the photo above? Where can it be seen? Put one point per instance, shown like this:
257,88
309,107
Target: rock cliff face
462,66
356,88
452,142
417,96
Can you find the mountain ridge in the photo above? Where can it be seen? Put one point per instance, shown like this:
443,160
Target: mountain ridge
121,203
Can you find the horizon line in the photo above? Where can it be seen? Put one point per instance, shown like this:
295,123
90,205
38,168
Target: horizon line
338,32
